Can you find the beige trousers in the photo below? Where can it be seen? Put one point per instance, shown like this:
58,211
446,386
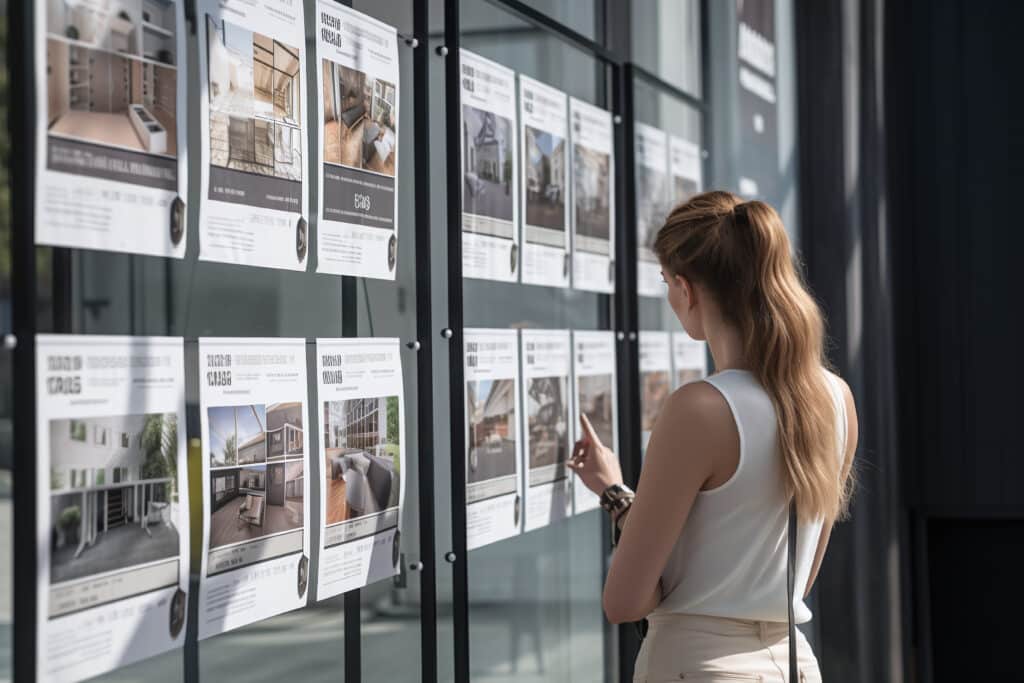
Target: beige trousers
683,647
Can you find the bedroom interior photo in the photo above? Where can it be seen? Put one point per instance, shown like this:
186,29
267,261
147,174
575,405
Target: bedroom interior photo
111,74
359,119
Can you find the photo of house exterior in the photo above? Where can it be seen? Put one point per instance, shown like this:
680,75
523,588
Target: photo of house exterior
362,457
113,498
284,435
591,196
547,418
492,430
111,73
487,164
595,400
545,182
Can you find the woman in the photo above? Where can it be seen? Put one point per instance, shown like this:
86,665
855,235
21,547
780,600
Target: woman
703,547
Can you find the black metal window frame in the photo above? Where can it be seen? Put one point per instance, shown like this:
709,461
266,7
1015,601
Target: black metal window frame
620,72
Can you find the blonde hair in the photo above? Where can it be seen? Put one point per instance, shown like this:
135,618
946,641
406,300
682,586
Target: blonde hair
740,253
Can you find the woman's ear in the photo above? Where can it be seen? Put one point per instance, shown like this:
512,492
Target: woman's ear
689,291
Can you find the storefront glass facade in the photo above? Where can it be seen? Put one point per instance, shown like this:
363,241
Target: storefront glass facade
525,608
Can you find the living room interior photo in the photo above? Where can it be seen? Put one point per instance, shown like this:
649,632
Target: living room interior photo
113,502
361,449
359,119
253,501
255,102
111,73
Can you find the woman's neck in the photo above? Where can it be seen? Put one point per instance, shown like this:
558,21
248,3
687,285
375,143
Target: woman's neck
726,344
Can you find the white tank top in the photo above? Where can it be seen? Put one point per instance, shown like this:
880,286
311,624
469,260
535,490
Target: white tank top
730,559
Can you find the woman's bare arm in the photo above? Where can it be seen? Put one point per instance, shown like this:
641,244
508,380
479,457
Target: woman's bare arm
694,428
851,448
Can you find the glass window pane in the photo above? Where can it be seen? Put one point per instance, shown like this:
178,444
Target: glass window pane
390,623
666,41
534,600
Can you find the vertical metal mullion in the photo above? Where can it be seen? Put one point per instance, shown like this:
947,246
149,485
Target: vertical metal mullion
453,156
705,88
628,323
21,62
353,598
424,356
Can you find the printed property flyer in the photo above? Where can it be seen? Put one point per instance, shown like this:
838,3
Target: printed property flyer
593,197
595,394
357,112
545,183
686,166
490,206
655,382
253,132
252,412
546,368
651,147
112,516
493,445
361,411
111,82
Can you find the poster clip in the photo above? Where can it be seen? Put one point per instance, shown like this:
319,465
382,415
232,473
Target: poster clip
411,41
414,345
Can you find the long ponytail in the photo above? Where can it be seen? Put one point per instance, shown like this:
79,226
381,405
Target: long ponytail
739,251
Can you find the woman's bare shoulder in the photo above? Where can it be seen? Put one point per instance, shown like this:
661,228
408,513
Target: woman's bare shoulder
698,412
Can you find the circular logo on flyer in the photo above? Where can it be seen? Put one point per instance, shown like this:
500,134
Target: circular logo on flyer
395,544
177,221
513,256
301,239
392,252
177,616
303,575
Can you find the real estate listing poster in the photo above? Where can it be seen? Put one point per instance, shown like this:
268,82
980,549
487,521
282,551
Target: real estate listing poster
546,368
689,359
361,412
490,206
595,395
112,502
655,380
593,197
111,82
357,101
652,197
544,132
686,166
252,415
493,495
254,142
758,148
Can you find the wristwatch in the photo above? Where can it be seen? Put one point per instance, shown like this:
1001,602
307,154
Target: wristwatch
616,498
